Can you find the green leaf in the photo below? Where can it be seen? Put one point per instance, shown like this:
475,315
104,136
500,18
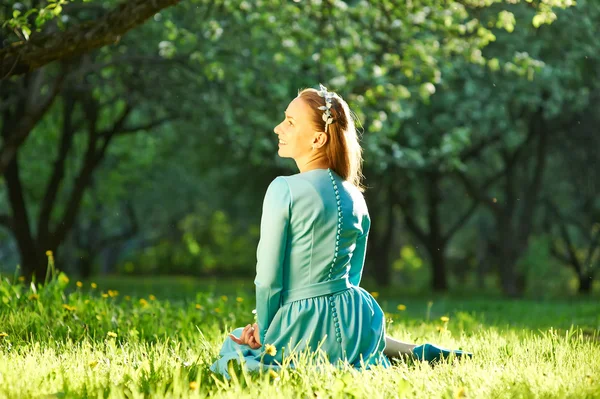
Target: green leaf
26,31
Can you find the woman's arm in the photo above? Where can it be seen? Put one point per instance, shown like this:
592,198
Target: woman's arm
358,256
270,253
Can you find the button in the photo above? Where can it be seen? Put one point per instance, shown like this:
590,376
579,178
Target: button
338,339
337,324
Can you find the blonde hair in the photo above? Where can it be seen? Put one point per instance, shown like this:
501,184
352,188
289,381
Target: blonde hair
343,150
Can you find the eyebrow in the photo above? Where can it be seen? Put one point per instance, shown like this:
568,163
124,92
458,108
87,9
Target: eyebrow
291,117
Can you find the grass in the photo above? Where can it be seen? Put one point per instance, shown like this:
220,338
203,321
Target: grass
133,338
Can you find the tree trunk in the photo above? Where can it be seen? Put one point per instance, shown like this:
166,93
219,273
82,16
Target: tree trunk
380,240
32,258
437,253
436,244
585,283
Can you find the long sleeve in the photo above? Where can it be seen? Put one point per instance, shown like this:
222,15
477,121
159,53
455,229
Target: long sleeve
271,252
358,256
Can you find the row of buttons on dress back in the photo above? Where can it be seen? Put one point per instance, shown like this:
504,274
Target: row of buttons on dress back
338,336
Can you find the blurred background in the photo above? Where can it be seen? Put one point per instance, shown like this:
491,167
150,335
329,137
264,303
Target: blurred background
137,137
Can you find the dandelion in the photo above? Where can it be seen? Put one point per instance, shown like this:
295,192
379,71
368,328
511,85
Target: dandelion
94,285
445,319
270,350
218,310
239,299
34,297
143,302
69,308
440,328
460,393
401,307
104,295
199,307
111,334
273,374
79,284
224,298
113,293
152,297
375,294
48,253
63,278
93,363
193,385
3,334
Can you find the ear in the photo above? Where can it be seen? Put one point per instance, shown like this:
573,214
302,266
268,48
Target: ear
320,139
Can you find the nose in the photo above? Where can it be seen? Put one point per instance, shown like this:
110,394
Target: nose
275,129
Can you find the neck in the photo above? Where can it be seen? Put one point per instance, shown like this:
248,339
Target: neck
318,161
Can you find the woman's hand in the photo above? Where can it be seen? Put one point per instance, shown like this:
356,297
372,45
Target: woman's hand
254,340
250,336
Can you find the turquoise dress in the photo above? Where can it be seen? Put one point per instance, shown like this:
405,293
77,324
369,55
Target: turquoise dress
310,258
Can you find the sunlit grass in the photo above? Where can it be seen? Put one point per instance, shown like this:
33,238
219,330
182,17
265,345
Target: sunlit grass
114,339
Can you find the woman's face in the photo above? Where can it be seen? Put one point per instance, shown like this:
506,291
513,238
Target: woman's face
296,133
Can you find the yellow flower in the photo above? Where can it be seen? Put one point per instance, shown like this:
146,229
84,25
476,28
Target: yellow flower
198,306
224,297
152,297
375,294
93,363
218,310
3,334
113,293
193,385
143,302
445,319
440,328
63,278
86,301
401,307
239,299
94,285
460,393
79,284
111,334
127,298
273,374
48,253
21,278
270,350
33,297
69,308
104,295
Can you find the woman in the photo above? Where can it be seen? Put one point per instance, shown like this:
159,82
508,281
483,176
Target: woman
310,256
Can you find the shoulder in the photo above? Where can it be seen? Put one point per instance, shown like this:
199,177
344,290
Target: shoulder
278,192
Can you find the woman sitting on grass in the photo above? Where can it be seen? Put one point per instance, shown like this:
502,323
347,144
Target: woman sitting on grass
311,252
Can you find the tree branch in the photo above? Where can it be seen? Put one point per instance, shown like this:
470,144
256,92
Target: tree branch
41,49
6,221
25,125
479,193
58,172
461,220
147,126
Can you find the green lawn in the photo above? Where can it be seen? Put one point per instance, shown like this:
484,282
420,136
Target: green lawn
156,337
